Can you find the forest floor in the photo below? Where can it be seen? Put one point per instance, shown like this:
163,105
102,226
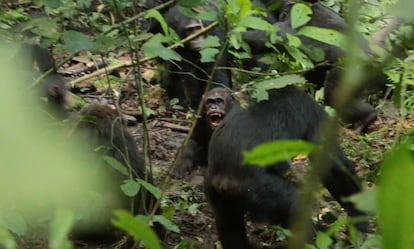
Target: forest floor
168,127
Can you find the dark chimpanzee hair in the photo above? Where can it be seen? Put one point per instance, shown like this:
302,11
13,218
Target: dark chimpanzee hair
104,131
187,79
358,113
53,86
266,194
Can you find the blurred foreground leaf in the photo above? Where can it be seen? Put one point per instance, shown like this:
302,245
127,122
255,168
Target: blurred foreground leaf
276,151
136,228
395,199
60,226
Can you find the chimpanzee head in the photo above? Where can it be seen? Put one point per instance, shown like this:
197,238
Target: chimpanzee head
218,103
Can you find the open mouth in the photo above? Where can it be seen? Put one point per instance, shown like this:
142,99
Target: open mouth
215,118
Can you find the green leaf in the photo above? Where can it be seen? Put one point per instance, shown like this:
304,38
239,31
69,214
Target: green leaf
208,54
152,13
154,48
300,14
169,225
130,187
136,228
60,227
244,7
329,36
255,22
210,41
116,165
263,86
281,82
276,151
299,57
293,40
6,239
76,41
13,221
365,200
323,241
156,192
395,199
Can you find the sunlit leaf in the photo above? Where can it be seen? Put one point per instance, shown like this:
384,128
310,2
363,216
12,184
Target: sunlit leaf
300,14
299,56
136,228
276,151
328,36
293,40
323,241
263,86
152,13
210,41
254,22
208,54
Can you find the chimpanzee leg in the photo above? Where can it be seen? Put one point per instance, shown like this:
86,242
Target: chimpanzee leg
357,112
341,181
229,220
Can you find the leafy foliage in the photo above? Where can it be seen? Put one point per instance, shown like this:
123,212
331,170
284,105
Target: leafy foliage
74,26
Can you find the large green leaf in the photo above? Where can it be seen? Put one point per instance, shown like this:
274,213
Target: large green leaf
276,151
156,192
116,165
395,199
300,14
152,13
154,48
263,86
136,228
208,54
328,36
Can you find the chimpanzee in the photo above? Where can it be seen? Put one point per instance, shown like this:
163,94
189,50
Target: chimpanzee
187,79
217,104
267,194
101,128
358,113
53,86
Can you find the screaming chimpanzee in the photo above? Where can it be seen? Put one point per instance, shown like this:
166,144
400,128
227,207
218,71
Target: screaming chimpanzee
358,113
217,104
187,79
267,194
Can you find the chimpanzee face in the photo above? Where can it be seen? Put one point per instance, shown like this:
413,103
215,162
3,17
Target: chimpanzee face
218,103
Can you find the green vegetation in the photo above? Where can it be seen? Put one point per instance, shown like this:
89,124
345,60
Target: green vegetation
37,174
